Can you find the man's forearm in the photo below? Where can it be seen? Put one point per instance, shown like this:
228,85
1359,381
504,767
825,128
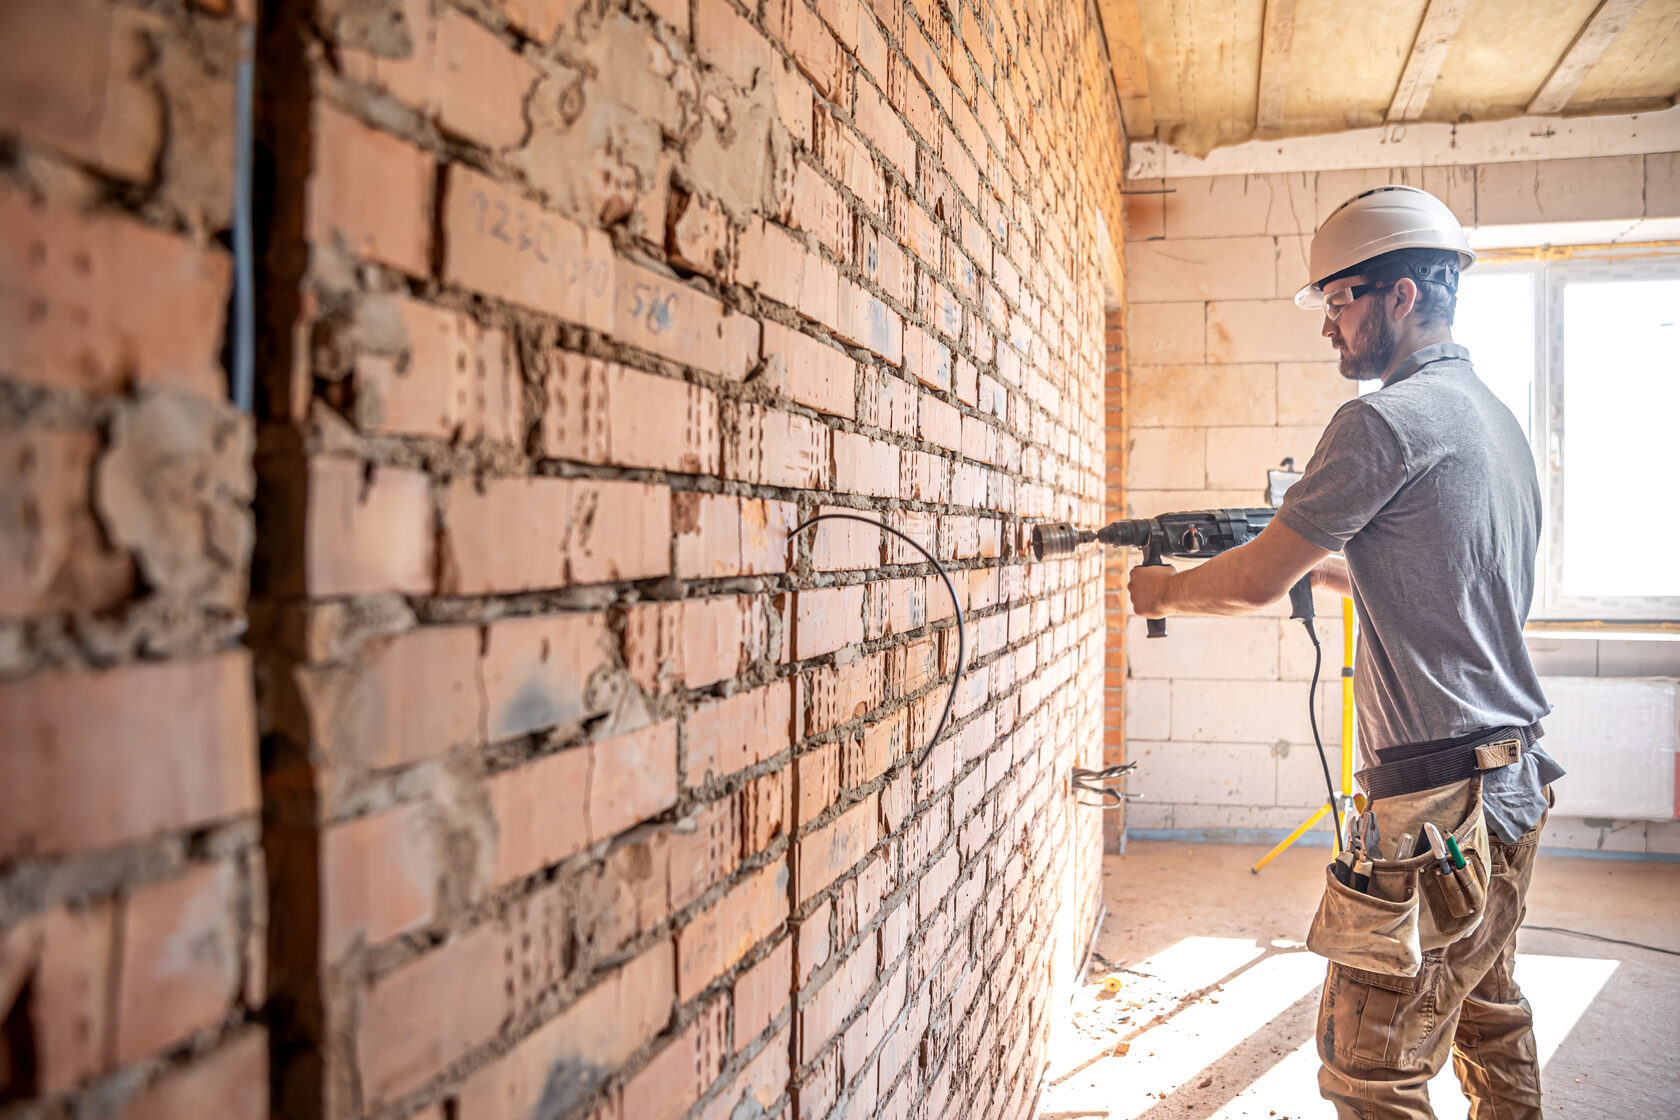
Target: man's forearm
1221,586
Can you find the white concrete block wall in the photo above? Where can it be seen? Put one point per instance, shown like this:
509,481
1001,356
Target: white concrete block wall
1226,378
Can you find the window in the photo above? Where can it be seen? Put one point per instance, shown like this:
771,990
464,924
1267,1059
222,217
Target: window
1586,354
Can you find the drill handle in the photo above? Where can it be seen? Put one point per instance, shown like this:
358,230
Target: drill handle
1301,600
1157,627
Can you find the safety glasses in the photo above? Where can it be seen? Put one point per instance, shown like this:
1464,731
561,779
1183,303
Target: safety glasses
1340,300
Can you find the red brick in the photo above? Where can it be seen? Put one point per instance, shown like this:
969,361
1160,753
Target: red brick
813,49
428,1013
536,671
730,44
810,372
976,440
765,525
73,776
540,18
835,1000
941,423
813,944
917,230
780,266
722,934
409,697
539,809
890,403
698,236
502,245
181,960
719,535
766,810
936,883
707,855
725,736
367,530
818,780
71,79
602,412
379,878
927,359
885,129
844,156
633,777
95,303
906,605
670,1084
231,1083
864,320
883,745
925,478
864,466
845,692
845,544
369,194
70,956
752,1091
452,380
761,992
590,1039
832,850
827,620
913,102
772,447
882,263
526,534
676,321
53,555
459,75
818,209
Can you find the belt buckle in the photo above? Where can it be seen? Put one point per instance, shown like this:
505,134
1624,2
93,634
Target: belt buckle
1502,752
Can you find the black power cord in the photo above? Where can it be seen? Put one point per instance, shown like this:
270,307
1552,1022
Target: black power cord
962,633
1318,741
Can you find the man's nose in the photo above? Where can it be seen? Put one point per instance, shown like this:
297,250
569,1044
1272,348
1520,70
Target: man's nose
1329,327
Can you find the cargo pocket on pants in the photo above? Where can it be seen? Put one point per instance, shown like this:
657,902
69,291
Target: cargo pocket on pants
1373,1020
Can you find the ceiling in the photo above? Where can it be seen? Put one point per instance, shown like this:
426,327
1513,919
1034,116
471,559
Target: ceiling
1199,74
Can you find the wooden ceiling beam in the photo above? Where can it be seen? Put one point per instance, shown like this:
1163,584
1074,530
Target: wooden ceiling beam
1423,65
1606,23
1278,38
1124,32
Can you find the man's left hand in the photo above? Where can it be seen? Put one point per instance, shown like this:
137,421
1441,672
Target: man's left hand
1148,585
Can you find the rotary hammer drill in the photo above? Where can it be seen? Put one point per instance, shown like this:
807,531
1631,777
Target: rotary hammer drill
1197,535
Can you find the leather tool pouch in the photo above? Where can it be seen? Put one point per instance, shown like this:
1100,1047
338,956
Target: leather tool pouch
1410,908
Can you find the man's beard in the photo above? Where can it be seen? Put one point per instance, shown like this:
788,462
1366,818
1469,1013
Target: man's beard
1370,351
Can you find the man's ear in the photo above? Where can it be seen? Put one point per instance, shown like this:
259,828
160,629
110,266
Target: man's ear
1406,288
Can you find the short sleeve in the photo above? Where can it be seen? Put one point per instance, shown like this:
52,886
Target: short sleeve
1356,468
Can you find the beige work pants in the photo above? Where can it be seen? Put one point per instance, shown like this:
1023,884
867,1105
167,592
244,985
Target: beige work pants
1381,1038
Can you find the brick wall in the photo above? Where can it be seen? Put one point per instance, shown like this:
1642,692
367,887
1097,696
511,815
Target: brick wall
589,792
131,877
1226,378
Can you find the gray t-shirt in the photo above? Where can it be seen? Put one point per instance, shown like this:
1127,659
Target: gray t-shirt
1428,488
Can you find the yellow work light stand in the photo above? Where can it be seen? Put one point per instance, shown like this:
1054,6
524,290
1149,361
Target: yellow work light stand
1345,801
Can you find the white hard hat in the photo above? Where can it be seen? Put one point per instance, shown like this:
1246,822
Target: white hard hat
1380,221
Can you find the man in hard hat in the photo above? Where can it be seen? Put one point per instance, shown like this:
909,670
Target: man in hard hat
1427,489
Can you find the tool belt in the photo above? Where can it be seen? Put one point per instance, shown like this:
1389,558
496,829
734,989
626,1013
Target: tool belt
1421,766
1411,906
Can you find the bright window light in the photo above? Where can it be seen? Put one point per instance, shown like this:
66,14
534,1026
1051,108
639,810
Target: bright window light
1621,457
1495,319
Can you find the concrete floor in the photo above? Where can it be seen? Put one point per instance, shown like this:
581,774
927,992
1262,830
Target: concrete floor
1214,1016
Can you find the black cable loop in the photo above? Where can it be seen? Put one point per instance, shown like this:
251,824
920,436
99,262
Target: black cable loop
962,633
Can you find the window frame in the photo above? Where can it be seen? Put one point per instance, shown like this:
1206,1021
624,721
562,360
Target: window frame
1548,422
